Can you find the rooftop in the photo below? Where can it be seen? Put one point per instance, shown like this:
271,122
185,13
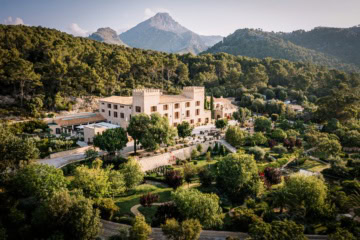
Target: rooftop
118,99
78,119
100,125
173,98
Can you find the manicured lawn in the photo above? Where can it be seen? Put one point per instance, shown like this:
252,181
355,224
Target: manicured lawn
148,212
313,166
125,203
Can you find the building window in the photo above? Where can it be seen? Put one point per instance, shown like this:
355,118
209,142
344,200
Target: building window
121,106
109,113
130,116
199,120
197,103
197,112
115,106
102,110
122,115
187,113
166,115
115,114
206,120
175,124
130,107
165,107
153,109
109,105
188,104
192,121
57,130
177,105
137,109
102,103
177,115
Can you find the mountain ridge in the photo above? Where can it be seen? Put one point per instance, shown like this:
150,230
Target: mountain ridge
261,44
107,35
162,33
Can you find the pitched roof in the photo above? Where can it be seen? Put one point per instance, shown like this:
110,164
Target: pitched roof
118,99
79,119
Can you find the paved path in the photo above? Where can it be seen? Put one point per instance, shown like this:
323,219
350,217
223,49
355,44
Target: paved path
227,145
111,228
63,161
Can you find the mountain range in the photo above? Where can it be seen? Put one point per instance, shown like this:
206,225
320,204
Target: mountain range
332,47
161,33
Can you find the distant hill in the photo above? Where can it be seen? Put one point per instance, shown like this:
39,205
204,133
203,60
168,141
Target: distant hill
163,33
297,46
343,43
107,35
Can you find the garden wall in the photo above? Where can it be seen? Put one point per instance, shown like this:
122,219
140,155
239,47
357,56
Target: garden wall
70,152
169,158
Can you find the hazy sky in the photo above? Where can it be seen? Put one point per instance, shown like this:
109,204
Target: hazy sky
210,17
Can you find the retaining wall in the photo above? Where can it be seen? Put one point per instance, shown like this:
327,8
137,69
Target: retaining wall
149,163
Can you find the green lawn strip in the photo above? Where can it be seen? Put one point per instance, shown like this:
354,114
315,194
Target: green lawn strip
125,203
313,166
148,212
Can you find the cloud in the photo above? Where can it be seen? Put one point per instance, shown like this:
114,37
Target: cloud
11,21
148,13
76,30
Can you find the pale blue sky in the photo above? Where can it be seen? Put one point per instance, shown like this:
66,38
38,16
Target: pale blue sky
209,17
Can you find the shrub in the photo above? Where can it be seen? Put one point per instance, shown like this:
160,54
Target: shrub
166,211
279,150
194,153
276,230
278,134
199,147
148,199
341,234
241,219
174,179
189,229
107,207
206,177
208,156
140,230
272,175
258,153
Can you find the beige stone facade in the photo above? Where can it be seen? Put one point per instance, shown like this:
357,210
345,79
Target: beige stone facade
224,108
188,106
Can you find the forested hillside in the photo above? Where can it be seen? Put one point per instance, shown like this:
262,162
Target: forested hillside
44,67
296,46
343,43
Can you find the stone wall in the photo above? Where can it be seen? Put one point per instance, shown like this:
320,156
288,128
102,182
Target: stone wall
70,152
149,163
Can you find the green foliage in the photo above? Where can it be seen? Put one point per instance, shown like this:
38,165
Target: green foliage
341,234
258,153
189,172
140,230
193,204
38,180
112,140
14,150
138,126
278,135
97,182
221,123
237,175
184,129
300,191
158,131
194,153
242,115
262,124
187,230
133,174
298,46
206,177
279,149
277,230
255,139
241,219
235,136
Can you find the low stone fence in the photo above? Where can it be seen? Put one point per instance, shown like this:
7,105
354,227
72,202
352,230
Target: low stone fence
169,158
69,152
